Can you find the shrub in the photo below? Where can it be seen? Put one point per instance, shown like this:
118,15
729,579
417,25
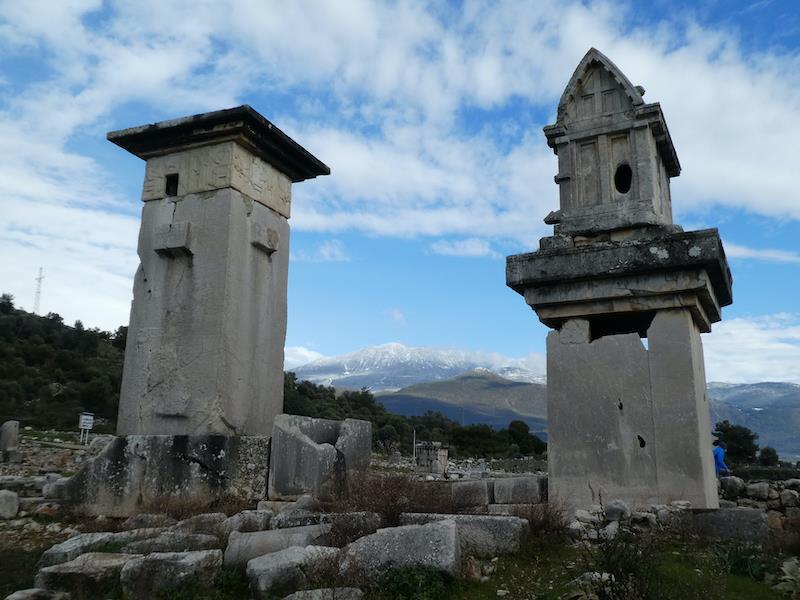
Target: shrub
547,517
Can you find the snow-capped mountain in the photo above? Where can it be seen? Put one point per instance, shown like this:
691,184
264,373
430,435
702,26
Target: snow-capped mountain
394,366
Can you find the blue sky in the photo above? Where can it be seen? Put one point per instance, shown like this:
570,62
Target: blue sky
430,116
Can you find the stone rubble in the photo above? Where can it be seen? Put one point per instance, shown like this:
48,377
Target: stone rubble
145,576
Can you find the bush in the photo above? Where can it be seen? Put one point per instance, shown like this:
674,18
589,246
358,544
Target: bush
545,518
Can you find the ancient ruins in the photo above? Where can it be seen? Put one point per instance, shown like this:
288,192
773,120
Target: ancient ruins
625,420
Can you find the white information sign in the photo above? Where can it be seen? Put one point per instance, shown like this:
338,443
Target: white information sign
85,424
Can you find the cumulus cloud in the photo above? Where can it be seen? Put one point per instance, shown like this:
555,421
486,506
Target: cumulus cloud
470,247
328,251
408,103
752,349
297,356
780,256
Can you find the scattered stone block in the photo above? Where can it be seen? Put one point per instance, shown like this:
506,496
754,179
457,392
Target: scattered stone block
471,493
327,594
792,484
481,536
173,541
233,467
750,503
246,521
208,523
288,569
9,504
727,504
146,576
243,547
584,516
90,575
758,491
38,594
745,524
617,510
790,498
434,545
87,542
518,490
309,453
145,520
275,506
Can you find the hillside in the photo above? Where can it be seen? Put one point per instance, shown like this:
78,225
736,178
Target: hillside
479,396
50,372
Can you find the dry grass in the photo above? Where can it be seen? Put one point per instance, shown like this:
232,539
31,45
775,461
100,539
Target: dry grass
181,507
544,518
390,496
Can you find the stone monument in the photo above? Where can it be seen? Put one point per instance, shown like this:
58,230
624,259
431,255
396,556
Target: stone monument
627,294
208,320
203,374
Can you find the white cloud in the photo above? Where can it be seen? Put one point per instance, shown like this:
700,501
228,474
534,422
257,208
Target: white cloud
470,247
327,251
387,87
396,315
780,256
762,348
296,356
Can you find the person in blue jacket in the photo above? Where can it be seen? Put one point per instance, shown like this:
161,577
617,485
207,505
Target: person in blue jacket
719,459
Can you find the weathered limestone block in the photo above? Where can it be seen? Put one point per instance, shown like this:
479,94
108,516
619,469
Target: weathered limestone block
246,521
616,510
143,520
327,594
38,594
208,319
243,547
758,491
289,569
91,575
481,536
146,576
9,440
641,430
732,487
208,523
84,543
433,545
790,498
173,541
472,493
745,524
792,484
138,471
518,490
9,504
309,453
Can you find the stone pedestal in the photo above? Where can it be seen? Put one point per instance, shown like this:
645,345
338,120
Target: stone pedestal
151,473
627,293
627,421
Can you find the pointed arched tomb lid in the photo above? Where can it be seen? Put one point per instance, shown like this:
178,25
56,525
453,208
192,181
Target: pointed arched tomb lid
594,56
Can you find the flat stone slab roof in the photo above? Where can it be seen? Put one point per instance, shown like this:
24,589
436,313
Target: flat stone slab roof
242,124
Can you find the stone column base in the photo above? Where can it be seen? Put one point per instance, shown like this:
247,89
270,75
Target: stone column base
145,473
628,421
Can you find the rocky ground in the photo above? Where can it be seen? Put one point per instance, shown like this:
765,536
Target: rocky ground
485,533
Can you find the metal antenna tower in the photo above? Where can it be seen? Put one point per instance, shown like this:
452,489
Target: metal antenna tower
38,295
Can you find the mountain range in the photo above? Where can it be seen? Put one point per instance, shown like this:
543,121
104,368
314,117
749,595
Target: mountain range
488,388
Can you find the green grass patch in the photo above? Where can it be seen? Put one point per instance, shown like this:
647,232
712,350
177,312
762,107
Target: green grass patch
230,585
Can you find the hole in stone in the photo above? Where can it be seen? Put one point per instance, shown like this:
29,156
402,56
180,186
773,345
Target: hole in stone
623,178
642,443
618,323
171,184
620,405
